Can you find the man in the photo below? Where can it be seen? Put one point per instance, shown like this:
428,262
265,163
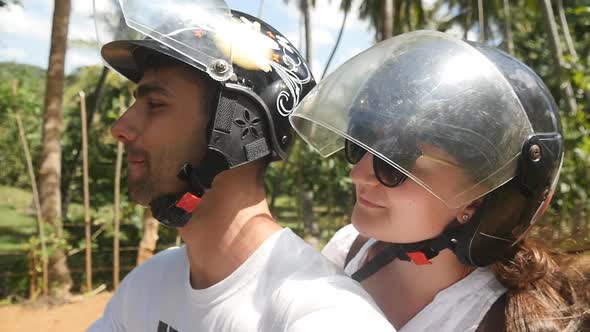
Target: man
217,112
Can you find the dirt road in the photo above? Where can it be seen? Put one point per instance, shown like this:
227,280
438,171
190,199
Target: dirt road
65,318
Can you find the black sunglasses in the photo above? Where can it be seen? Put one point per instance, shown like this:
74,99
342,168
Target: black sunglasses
387,175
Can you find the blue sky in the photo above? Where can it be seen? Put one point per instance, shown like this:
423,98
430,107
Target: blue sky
25,31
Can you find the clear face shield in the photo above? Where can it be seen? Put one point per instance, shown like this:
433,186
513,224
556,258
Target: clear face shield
202,31
418,99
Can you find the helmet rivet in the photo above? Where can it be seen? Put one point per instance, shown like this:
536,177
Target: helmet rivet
220,66
217,139
535,153
284,139
545,194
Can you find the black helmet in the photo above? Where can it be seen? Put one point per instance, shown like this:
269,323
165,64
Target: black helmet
262,77
491,113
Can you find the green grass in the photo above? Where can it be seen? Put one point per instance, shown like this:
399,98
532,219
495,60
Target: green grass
18,223
14,197
16,226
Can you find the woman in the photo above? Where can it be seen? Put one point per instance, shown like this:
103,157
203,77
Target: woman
464,150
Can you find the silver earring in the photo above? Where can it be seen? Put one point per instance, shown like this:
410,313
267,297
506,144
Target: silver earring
466,217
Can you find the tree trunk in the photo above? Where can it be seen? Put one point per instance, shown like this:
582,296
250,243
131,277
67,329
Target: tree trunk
147,246
508,25
59,274
307,24
482,25
565,85
408,11
336,44
468,19
388,15
50,171
397,20
421,15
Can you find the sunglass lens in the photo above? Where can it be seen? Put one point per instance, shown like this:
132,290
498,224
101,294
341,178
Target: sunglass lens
388,175
354,153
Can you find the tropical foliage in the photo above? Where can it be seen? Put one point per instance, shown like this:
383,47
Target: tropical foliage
519,27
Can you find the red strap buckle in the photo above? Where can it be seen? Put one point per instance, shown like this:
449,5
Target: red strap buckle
419,258
188,202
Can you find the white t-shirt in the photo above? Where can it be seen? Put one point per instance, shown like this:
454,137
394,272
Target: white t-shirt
286,285
458,308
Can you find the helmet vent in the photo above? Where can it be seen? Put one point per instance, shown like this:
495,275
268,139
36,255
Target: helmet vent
248,124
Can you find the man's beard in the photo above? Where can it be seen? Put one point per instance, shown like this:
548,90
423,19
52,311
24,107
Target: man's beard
159,176
141,190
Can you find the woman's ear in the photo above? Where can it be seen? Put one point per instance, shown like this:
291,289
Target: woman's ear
466,213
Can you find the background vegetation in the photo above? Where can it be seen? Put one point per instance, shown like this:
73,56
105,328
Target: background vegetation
311,195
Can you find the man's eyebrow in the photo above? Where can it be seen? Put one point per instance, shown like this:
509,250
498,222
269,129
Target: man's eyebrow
145,89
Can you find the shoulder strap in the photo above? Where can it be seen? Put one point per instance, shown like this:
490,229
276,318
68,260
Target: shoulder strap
495,318
356,246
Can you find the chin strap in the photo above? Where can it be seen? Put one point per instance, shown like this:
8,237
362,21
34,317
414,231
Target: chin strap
420,253
175,210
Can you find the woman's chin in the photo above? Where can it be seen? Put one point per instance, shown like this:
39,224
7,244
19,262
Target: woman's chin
365,224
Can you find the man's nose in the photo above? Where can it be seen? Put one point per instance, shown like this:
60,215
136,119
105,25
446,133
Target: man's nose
124,130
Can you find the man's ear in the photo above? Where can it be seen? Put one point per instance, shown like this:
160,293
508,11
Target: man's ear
466,213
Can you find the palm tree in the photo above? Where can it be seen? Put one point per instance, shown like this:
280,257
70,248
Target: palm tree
461,13
304,7
308,220
468,18
508,27
345,5
4,3
482,25
50,172
390,17
147,246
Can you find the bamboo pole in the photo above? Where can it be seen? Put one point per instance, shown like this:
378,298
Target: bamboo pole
117,220
87,223
32,258
23,139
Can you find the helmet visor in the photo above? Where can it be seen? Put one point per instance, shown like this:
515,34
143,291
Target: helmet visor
427,104
199,30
